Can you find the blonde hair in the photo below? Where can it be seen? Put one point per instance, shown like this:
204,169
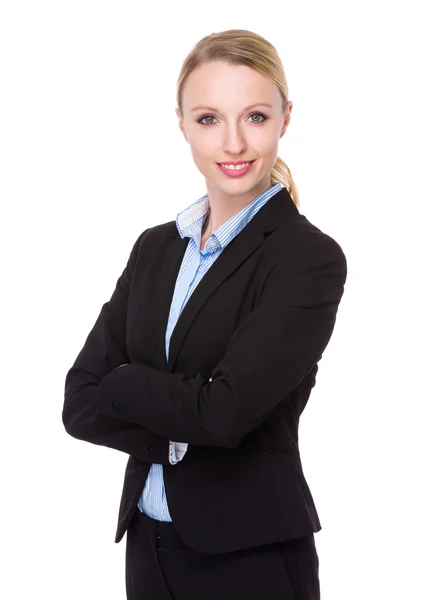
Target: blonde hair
243,47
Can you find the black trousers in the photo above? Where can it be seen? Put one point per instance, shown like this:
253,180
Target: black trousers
159,566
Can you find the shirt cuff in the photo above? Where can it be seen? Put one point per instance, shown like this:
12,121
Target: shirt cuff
172,453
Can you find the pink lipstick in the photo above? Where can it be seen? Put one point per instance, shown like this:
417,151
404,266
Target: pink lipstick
235,172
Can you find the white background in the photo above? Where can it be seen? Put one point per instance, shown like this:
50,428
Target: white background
88,141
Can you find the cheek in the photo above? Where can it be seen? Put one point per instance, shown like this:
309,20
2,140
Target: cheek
203,149
202,158
198,153
268,149
200,140
264,141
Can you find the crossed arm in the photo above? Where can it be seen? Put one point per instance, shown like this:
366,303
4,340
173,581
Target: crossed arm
271,351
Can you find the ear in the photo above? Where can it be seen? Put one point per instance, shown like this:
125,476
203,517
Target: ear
286,118
181,123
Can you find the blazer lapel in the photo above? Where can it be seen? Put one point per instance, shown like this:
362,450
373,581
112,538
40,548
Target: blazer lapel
275,212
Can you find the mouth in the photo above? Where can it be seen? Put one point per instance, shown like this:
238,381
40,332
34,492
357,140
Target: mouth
236,168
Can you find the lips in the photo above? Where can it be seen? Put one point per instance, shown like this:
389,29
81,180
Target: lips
235,162
235,172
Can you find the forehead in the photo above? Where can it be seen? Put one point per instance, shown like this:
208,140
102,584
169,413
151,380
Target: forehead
227,86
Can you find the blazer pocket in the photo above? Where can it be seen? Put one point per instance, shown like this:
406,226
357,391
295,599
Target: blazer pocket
271,449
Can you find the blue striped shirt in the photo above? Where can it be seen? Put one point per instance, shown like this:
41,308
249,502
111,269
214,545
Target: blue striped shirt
195,264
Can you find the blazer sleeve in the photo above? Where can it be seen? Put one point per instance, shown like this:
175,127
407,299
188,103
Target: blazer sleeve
268,355
104,350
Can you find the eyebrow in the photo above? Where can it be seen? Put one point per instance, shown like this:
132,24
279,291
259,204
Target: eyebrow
217,110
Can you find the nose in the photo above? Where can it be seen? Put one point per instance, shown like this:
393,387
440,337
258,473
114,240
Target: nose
234,142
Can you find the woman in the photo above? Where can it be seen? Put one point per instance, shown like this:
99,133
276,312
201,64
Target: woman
202,361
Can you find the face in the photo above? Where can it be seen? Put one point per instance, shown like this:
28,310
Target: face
224,129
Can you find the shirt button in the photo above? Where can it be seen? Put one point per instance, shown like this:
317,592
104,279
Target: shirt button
115,407
149,450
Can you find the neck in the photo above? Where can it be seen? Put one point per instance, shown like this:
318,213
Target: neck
206,230
224,206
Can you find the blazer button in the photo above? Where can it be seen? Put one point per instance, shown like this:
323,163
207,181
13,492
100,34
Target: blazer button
115,407
149,450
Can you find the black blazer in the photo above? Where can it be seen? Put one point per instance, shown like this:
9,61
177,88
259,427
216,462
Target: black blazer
257,323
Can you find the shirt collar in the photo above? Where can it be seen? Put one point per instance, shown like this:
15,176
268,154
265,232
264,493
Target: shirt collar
189,222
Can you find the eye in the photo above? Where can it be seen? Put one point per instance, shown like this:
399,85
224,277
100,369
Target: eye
264,118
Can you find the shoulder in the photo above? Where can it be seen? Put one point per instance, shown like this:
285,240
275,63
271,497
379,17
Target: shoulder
303,242
156,234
